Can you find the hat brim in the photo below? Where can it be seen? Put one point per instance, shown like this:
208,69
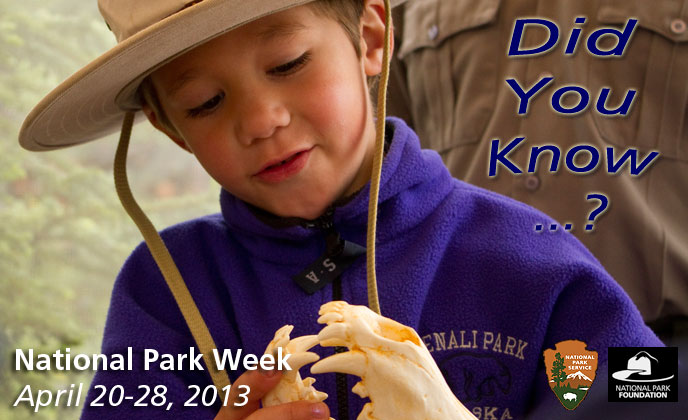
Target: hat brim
623,375
92,102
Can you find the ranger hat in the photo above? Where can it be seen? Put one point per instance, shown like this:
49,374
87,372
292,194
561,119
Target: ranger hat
92,102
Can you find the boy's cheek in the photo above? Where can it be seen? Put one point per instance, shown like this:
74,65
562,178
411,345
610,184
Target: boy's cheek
340,102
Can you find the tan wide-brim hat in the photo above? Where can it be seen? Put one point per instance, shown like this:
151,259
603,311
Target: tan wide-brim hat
92,102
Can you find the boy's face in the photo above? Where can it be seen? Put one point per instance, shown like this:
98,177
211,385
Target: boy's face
277,111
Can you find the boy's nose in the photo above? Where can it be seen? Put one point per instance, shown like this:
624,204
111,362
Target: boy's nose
260,117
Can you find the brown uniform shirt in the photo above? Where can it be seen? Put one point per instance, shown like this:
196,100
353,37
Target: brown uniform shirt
449,84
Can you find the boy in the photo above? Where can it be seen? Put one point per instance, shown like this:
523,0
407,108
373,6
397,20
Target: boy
277,111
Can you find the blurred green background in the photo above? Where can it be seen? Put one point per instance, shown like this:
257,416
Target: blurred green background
63,234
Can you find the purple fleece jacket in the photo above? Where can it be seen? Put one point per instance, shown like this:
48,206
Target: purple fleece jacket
461,265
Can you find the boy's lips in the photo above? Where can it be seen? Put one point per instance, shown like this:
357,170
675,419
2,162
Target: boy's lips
280,169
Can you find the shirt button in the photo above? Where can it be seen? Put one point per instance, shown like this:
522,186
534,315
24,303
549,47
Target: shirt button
433,32
532,182
678,26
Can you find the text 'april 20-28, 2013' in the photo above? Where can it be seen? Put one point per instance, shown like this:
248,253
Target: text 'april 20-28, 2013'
144,395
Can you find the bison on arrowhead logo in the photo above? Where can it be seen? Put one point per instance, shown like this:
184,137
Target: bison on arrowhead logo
570,371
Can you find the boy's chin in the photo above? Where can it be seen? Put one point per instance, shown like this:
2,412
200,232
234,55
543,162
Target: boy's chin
298,212
306,214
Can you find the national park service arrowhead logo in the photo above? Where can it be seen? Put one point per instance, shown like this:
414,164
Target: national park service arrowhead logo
570,371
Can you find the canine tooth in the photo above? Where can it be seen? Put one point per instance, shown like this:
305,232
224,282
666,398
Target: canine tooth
353,363
298,360
301,344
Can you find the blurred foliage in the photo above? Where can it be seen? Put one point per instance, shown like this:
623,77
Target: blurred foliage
63,234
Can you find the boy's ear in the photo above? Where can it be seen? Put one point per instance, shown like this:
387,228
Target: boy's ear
155,121
373,36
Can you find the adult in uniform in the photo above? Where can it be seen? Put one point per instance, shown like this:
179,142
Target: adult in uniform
449,84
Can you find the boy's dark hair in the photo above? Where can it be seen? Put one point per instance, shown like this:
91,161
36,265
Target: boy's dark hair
346,12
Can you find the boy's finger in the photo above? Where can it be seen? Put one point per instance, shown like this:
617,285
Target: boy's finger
246,392
299,410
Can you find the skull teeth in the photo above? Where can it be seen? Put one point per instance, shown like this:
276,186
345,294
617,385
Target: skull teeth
301,344
333,335
299,360
353,363
330,317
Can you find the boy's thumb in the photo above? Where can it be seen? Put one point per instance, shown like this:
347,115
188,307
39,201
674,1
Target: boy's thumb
298,410
246,392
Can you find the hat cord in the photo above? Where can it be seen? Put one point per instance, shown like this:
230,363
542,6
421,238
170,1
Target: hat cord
373,299
164,260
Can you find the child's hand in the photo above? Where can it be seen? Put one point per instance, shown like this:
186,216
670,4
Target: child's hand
397,372
260,383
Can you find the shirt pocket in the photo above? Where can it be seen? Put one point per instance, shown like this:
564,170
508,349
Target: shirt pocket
449,46
655,64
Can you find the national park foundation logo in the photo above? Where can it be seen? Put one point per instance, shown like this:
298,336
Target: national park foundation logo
643,374
570,371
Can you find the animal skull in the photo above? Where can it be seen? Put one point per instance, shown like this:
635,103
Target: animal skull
397,372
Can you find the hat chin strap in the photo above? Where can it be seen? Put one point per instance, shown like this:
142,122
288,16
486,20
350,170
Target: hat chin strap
162,257
373,300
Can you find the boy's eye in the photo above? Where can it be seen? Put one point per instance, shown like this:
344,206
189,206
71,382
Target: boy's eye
290,67
206,106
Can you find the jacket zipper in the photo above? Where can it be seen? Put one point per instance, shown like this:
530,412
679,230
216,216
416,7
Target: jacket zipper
326,223
342,386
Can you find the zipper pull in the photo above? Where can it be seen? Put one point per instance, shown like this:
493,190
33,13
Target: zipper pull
325,221
338,256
